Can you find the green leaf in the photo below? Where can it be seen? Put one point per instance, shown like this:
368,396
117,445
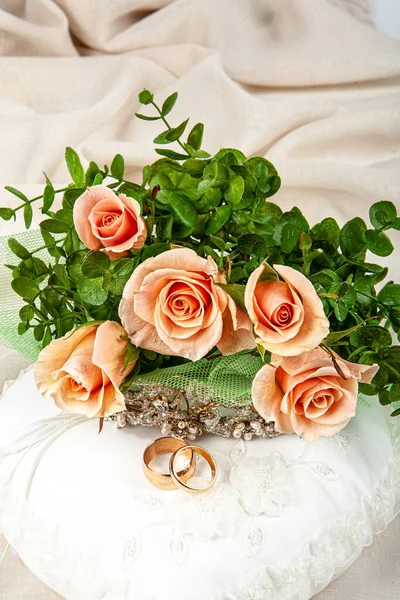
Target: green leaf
122,270
169,104
171,154
149,354
130,354
239,157
154,249
184,209
98,179
17,193
38,332
218,219
195,137
235,191
74,167
390,295
384,397
146,172
18,249
341,311
28,215
70,196
47,338
6,213
145,97
395,393
74,264
26,313
381,213
333,337
97,264
378,242
50,243
327,230
162,138
22,328
65,215
252,244
352,237
395,413
146,118
194,167
235,291
209,200
297,221
91,291
25,287
48,198
289,237
202,154
305,243
72,242
61,273
268,180
395,223
91,173
372,336
166,227
118,167
54,226
174,134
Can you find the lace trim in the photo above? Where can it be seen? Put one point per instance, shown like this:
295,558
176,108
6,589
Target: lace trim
337,550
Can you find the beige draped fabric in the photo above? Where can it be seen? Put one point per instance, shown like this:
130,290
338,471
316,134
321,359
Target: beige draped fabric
310,84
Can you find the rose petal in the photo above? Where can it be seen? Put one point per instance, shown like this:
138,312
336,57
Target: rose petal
82,209
267,398
54,356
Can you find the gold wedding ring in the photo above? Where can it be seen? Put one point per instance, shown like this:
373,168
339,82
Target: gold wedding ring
165,445
181,482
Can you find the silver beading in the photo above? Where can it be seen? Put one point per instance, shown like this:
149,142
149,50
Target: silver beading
181,414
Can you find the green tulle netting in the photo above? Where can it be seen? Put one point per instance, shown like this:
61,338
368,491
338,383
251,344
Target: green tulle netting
227,380
10,302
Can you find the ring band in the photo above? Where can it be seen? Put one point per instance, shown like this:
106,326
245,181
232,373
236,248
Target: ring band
165,445
182,482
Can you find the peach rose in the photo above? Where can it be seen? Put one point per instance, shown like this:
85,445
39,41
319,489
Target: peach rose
288,315
306,395
106,221
171,305
83,370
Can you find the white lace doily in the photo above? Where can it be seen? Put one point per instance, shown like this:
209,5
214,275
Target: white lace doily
283,519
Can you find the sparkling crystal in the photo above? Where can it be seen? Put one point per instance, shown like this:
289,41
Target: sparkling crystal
247,436
120,419
240,426
256,425
131,418
166,428
191,436
181,425
193,430
237,433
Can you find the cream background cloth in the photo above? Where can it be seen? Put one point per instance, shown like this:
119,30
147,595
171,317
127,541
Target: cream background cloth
309,83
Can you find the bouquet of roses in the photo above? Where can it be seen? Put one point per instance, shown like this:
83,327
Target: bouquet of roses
196,263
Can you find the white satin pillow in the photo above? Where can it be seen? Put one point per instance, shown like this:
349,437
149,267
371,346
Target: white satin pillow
283,519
